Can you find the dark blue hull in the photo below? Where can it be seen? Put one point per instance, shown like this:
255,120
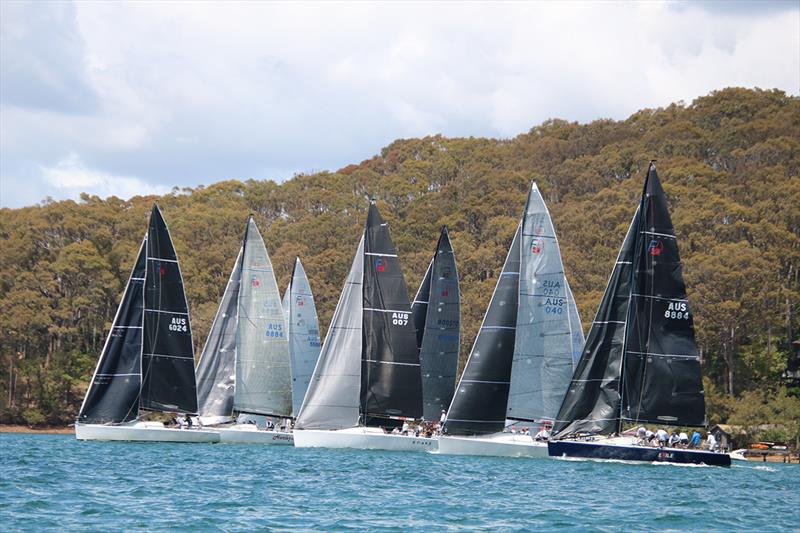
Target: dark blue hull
619,452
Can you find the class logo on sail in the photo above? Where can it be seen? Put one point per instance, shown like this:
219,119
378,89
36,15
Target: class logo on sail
380,264
536,246
255,282
655,247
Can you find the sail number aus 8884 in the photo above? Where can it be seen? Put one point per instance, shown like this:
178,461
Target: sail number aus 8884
178,324
399,319
677,310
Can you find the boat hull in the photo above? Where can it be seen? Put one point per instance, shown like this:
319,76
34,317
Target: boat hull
143,432
499,445
359,439
623,452
249,434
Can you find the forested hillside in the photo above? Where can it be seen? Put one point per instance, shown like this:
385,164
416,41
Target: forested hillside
729,161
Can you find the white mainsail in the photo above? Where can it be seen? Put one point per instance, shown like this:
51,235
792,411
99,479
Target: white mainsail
304,345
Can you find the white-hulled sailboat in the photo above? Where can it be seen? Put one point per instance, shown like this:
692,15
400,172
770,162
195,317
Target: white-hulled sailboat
367,377
522,360
640,364
147,362
244,369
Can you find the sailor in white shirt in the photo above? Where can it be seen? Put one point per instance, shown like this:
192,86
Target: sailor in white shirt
663,437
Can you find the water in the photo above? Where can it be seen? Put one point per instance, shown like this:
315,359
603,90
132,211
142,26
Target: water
53,482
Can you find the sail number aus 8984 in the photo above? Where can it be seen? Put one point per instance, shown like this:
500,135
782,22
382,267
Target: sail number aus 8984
178,324
399,319
677,310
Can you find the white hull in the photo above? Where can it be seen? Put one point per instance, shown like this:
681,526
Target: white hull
499,445
362,439
250,434
143,432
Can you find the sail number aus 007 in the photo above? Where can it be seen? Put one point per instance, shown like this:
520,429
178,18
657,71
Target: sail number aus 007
178,324
677,310
399,319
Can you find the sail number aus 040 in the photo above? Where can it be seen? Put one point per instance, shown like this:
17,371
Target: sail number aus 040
677,310
400,319
178,324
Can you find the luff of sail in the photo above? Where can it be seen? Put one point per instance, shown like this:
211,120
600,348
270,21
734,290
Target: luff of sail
661,370
390,373
333,397
263,370
304,345
437,314
575,326
543,351
113,394
217,366
481,397
168,379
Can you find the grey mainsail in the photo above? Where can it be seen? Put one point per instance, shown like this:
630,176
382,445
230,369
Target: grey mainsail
576,327
263,370
333,397
437,314
304,345
543,348
217,366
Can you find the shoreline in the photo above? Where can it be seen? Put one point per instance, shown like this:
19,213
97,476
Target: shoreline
45,430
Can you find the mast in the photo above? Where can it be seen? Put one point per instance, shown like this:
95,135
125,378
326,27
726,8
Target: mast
263,369
168,379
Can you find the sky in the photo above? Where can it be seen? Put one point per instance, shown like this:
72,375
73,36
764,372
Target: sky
127,98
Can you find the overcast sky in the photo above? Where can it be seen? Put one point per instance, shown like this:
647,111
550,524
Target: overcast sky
135,98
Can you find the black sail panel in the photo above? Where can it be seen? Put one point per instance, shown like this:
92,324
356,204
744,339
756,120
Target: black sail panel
114,392
592,402
662,376
481,398
168,379
390,375
438,356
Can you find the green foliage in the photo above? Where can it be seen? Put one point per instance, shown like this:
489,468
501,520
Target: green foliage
730,163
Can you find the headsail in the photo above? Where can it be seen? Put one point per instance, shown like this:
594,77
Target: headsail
543,351
304,345
437,315
217,366
113,394
332,400
481,398
168,380
390,371
263,370
575,326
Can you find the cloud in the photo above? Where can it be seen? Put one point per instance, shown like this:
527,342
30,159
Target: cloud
180,94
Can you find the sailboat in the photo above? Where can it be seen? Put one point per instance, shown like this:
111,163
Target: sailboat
368,373
244,368
436,311
522,359
640,364
147,362
303,331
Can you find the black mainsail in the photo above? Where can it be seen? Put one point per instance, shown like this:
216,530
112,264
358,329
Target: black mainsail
481,398
436,311
147,361
641,362
390,371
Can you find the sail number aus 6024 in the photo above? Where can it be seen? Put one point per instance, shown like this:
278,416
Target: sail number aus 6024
178,324
677,310
399,319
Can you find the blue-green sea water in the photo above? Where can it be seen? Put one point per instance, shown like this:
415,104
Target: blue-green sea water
53,482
